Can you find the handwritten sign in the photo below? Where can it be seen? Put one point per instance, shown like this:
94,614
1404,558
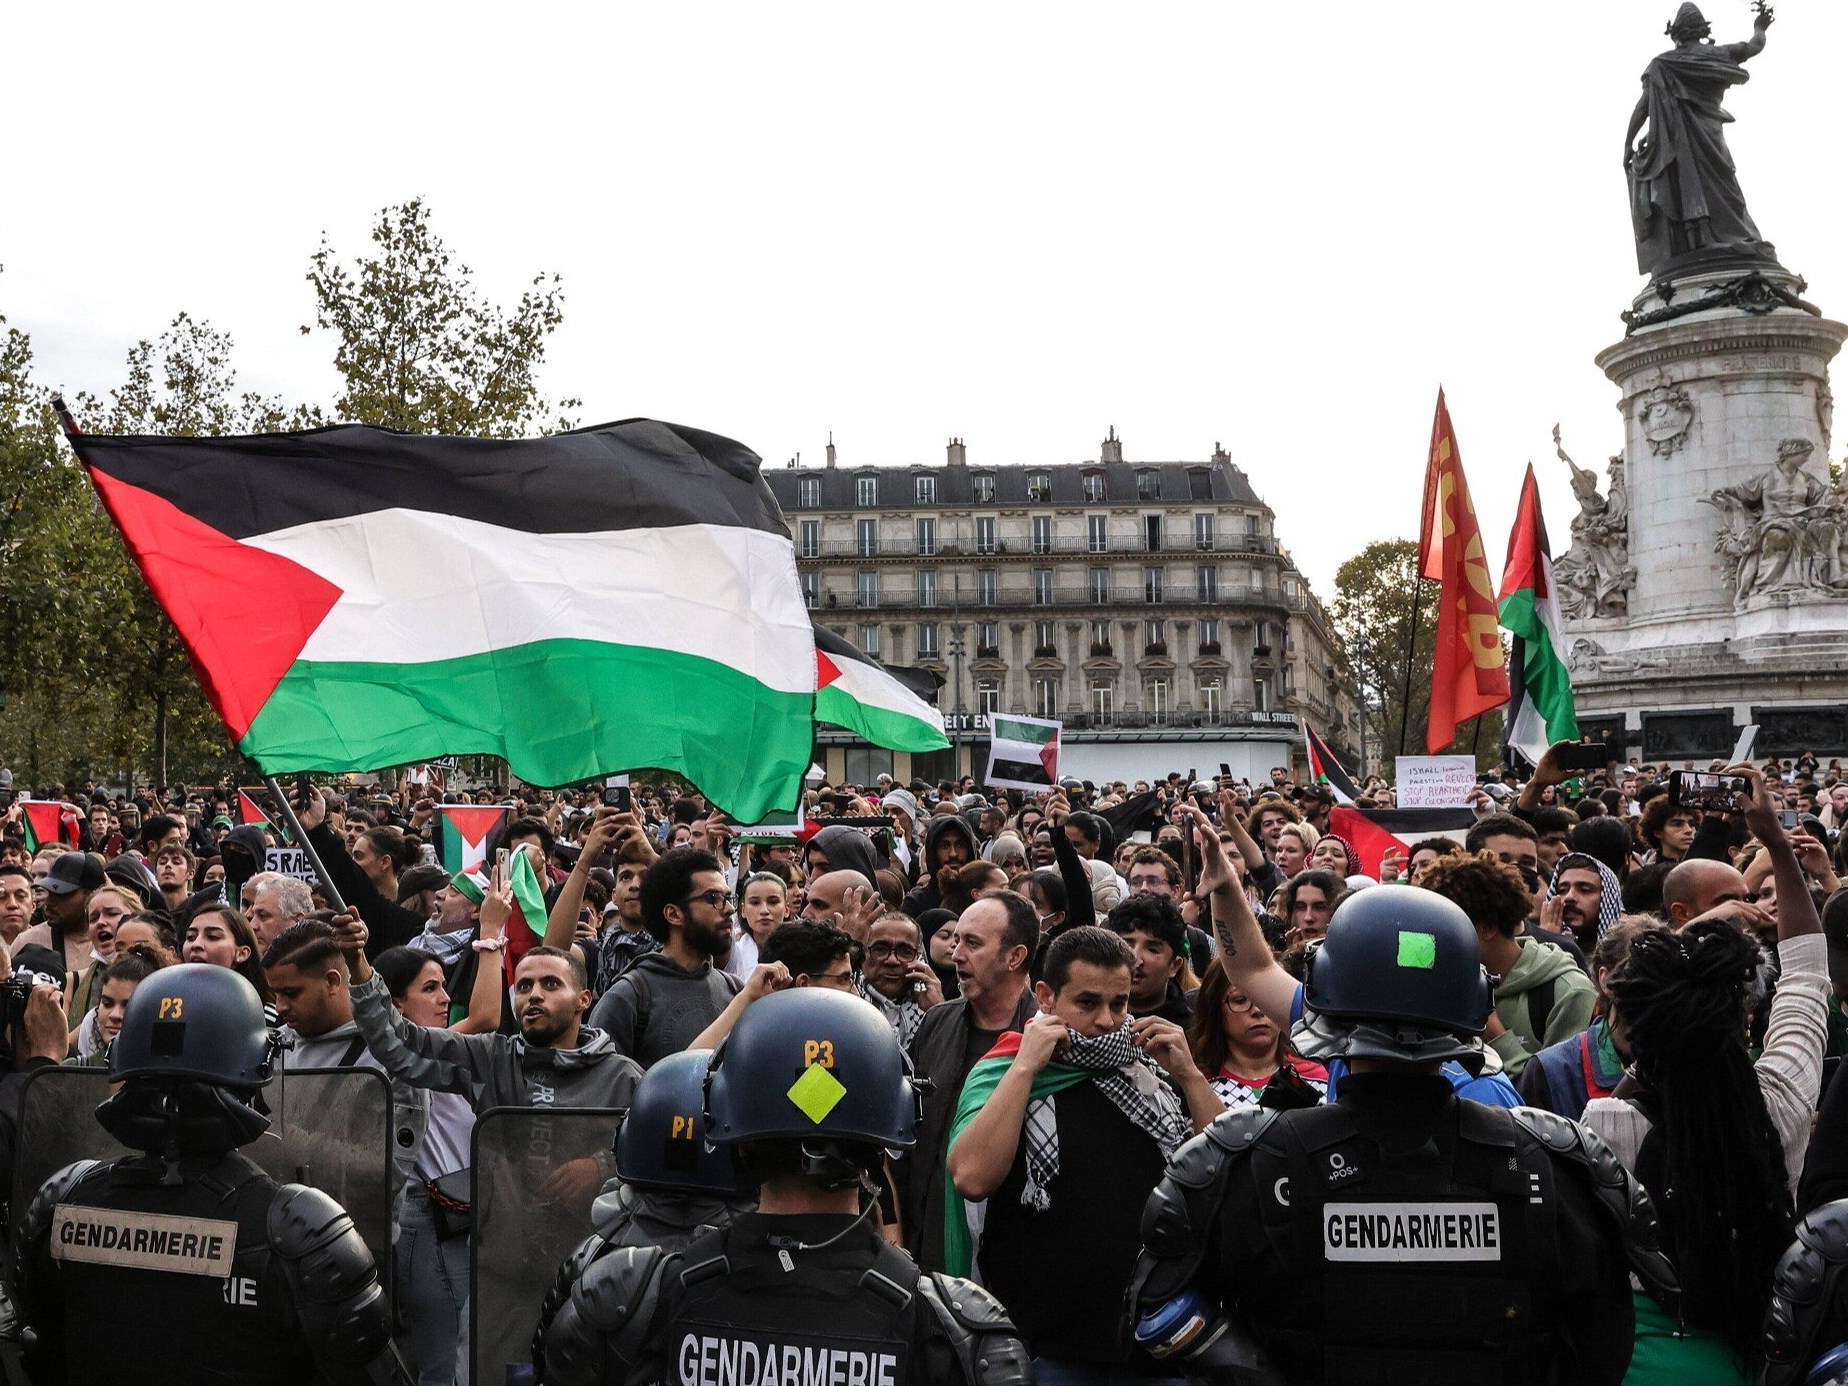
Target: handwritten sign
288,861
1435,781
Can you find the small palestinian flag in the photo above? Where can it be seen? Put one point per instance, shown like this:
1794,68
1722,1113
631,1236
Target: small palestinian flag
47,823
249,810
466,828
581,604
1540,709
526,926
855,691
1023,752
1325,769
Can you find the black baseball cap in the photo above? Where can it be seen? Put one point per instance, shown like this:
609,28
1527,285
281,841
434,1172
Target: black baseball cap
73,871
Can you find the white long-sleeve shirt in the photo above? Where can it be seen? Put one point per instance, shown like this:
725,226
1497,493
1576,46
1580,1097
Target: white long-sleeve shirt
1789,1070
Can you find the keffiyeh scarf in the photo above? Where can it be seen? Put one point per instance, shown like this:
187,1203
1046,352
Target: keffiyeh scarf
902,1016
1133,1085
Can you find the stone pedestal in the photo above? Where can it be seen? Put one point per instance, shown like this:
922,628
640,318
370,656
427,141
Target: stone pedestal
1691,650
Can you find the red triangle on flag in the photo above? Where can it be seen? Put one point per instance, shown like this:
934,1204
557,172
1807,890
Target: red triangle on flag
826,670
244,614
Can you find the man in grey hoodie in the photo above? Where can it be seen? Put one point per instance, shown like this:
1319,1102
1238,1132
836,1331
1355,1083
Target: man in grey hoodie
555,1060
948,841
663,1003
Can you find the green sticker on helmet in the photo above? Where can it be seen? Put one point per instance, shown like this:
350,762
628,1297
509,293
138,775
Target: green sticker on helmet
1417,950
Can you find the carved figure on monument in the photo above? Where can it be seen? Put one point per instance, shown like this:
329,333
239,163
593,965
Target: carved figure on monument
1595,575
1685,201
1587,656
1665,412
1781,527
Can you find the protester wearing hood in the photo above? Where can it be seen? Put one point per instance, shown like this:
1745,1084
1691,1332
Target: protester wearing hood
839,848
901,806
948,841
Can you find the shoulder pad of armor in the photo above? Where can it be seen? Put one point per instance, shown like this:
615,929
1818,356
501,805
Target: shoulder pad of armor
968,1303
342,1309
302,1219
1803,1294
1617,1194
53,1192
984,1339
606,1314
1239,1130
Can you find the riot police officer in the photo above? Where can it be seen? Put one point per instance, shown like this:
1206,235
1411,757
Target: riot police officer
1806,1326
1400,1234
809,1089
202,1265
670,1184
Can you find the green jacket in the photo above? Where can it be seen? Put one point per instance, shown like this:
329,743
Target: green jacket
1574,998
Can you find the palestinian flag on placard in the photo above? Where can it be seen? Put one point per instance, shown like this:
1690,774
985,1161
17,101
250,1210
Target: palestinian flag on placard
1374,832
465,834
1540,709
608,599
855,691
47,823
1325,769
778,828
1023,752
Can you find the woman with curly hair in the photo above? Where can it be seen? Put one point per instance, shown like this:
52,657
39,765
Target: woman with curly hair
1718,1139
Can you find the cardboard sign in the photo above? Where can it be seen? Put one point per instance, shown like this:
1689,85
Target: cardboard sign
288,861
1435,781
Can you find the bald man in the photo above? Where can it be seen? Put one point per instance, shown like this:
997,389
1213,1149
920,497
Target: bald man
829,902
1696,885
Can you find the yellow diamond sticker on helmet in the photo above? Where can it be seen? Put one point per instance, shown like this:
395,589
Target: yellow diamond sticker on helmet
816,1092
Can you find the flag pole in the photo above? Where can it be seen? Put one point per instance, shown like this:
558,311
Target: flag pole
287,810
1411,656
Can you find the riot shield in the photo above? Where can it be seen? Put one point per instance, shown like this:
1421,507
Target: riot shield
57,1126
537,1171
330,1128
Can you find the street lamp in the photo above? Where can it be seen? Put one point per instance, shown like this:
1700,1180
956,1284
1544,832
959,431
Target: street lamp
956,659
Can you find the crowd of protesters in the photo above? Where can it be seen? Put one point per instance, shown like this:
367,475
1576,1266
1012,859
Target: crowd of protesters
1668,975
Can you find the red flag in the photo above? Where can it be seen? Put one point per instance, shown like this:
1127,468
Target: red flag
248,809
1468,673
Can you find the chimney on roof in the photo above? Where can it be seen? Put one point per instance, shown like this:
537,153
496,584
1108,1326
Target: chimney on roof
1113,448
830,449
959,455
1221,457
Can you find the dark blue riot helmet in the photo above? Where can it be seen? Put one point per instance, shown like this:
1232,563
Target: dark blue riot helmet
1399,976
662,1140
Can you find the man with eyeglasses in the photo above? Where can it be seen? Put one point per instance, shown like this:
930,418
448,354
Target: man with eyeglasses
897,978
662,1004
817,955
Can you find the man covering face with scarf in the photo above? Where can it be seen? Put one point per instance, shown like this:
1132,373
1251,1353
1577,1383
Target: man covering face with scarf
1064,1130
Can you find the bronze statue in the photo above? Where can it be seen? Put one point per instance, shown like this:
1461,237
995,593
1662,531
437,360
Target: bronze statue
1685,198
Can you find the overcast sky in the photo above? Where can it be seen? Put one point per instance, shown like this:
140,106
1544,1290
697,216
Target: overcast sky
1276,228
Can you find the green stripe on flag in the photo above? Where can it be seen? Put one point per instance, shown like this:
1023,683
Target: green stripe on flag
527,704
895,731
527,893
1013,729
1543,673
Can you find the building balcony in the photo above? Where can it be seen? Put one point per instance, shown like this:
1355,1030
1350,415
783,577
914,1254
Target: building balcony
1020,547
1209,647
1010,598
1100,649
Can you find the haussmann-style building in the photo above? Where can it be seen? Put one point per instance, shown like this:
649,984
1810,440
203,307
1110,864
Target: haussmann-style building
1148,605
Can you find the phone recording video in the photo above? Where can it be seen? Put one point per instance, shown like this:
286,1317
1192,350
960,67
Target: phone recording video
1710,793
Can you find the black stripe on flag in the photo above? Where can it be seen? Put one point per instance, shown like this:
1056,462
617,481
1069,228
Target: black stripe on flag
637,474
1026,771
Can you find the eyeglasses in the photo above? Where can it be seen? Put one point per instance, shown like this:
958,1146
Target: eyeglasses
1239,1005
904,952
715,899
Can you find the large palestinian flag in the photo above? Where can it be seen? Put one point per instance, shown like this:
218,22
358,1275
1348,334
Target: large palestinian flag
614,598
855,691
1540,710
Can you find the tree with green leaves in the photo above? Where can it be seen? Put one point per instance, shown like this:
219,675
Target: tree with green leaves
1377,594
421,350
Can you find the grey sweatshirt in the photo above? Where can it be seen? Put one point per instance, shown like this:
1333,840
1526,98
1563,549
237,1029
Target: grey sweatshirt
493,1070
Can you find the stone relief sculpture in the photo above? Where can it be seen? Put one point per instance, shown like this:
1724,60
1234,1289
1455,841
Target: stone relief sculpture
1665,413
1595,575
1780,529
1587,656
